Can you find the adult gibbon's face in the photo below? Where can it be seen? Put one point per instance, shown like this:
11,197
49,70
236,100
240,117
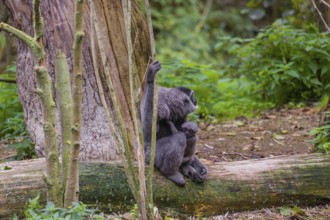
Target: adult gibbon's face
182,102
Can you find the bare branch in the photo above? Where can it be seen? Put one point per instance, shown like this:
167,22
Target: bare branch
326,3
38,21
206,12
36,49
151,32
8,80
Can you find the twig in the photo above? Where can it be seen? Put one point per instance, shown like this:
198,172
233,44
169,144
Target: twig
319,12
2,158
8,80
38,22
37,51
151,31
326,3
204,16
278,142
236,154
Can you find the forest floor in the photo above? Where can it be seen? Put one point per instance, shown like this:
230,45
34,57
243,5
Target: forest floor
274,133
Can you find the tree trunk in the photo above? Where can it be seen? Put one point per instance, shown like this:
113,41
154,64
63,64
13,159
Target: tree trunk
97,140
325,11
232,186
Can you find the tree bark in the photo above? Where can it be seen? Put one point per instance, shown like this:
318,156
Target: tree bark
97,140
301,180
325,11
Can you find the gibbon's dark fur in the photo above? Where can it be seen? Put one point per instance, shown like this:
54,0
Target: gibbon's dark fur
191,166
169,154
174,104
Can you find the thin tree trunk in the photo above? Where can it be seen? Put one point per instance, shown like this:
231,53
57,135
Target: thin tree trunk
97,139
301,180
72,186
154,119
64,100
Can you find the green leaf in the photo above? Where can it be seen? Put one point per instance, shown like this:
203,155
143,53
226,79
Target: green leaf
314,131
293,74
308,48
313,66
316,82
298,210
285,211
324,70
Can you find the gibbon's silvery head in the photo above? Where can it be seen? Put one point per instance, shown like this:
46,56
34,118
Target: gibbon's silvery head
181,102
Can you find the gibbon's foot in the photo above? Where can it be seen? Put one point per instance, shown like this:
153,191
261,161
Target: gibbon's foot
177,178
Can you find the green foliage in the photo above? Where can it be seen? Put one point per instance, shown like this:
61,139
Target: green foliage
24,149
17,136
293,213
189,29
2,43
217,96
76,211
10,106
286,64
12,125
299,13
33,204
135,211
321,135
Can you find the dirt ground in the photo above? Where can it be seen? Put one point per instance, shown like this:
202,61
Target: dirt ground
314,213
6,153
276,132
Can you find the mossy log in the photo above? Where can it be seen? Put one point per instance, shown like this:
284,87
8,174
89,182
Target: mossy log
301,180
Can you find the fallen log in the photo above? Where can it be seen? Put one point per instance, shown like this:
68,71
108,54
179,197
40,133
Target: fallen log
301,180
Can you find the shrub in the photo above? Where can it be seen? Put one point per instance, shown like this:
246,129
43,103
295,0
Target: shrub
321,135
12,124
189,29
217,95
77,210
10,106
286,64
